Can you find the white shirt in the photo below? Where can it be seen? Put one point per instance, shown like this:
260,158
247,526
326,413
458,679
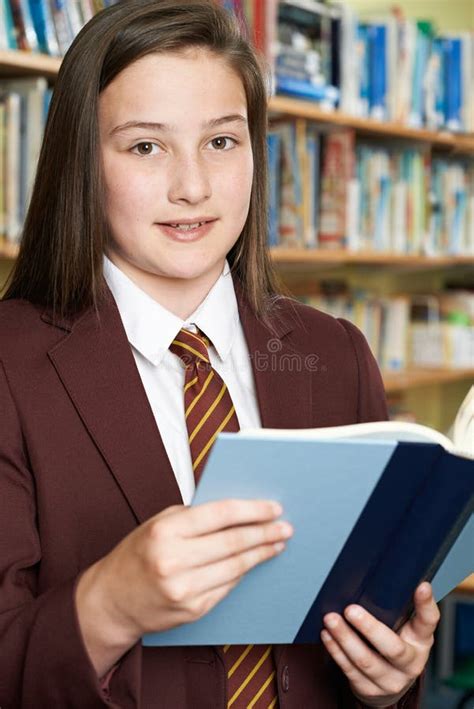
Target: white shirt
150,329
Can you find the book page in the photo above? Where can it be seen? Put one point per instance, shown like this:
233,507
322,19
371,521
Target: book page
377,430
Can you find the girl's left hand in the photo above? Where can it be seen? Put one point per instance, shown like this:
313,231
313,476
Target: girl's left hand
380,678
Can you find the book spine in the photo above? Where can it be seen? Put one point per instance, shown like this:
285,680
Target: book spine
373,536
10,26
429,528
273,142
378,70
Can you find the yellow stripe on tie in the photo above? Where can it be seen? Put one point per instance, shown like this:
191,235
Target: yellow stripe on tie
249,677
226,647
207,414
261,691
211,441
272,704
190,384
238,662
191,349
201,340
198,396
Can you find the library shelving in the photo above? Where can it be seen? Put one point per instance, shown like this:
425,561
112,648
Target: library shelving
19,63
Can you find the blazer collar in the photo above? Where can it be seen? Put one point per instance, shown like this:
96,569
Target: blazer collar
96,367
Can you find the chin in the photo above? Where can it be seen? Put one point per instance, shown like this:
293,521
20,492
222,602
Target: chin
192,269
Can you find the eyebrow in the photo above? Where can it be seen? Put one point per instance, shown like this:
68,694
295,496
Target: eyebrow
145,125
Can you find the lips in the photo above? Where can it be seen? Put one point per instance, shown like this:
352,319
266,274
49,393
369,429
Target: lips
197,220
189,234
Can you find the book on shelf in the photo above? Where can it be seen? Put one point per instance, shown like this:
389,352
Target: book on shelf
377,508
367,195
25,103
386,67
404,331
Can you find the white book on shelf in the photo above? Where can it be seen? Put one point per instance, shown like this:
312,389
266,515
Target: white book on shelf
12,163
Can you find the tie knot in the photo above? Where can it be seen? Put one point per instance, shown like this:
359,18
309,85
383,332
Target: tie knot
191,348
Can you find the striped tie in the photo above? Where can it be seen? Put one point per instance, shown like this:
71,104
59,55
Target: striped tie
251,682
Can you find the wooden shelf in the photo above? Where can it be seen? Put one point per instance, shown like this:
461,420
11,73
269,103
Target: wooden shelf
423,377
18,63
314,257
286,106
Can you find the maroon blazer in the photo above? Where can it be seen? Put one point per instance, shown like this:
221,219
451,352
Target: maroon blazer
82,464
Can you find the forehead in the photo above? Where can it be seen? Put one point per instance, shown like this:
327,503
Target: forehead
173,88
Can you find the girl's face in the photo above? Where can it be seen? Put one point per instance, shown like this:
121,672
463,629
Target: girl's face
176,149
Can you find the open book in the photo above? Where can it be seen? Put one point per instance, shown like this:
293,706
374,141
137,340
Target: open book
376,508
461,441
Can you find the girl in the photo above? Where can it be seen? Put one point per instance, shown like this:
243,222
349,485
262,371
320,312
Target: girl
143,248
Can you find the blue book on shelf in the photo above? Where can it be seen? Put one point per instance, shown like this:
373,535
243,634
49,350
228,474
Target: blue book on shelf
372,518
44,26
439,97
378,71
11,32
273,142
364,68
306,89
453,82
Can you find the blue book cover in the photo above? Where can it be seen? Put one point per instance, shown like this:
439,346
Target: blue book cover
378,71
273,143
439,97
364,79
306,89
44,27
453,82
360,509
11,34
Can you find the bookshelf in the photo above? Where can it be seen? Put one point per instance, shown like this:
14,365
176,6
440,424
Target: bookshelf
283,106
436,390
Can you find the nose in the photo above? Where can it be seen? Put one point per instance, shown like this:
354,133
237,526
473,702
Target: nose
189,180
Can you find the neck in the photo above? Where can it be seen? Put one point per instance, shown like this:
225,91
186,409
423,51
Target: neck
181,296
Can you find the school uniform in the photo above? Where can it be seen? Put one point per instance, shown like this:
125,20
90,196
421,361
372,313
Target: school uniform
93,443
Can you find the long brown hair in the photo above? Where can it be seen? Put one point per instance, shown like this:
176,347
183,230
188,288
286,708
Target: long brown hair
66,233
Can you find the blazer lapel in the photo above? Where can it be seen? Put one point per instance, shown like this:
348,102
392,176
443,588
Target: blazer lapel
97,369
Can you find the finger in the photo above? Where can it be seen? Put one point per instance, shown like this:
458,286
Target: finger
359,681
427,615
206,578
215,516
391,646
208,549
375,667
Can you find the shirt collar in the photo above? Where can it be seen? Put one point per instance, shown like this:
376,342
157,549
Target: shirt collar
150,328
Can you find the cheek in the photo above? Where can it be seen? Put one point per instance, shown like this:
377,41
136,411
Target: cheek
238,184
129,197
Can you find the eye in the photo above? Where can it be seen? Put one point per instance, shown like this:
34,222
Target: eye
219,142
145,148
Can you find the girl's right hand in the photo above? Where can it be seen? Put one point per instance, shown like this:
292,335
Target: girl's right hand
171,570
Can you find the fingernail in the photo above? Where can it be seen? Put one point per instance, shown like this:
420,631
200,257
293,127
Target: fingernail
325,635
277,508
331,621
279,546
354,613
286,529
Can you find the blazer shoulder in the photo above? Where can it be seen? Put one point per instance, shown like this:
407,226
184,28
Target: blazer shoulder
309,321
21,327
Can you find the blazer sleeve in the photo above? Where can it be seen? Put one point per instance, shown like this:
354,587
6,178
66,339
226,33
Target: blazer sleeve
372,406
43,660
